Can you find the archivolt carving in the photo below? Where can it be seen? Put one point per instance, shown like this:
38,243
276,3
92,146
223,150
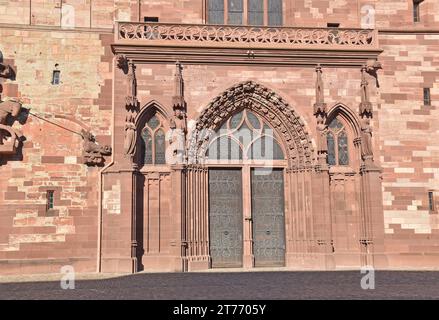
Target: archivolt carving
266,103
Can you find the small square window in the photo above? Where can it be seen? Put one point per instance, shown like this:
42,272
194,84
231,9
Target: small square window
49,200
56,77
150,19
427,97
333,25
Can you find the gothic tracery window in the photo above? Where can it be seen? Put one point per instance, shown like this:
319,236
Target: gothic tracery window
245,136
154,142
337,138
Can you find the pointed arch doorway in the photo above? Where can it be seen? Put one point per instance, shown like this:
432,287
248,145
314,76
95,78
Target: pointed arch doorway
250,161
246,167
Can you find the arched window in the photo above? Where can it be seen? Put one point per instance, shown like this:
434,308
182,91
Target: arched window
153,141
245,136
338,151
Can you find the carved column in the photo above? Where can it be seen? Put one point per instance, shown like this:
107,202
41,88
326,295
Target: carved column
320,181
195,237
372,218
126,173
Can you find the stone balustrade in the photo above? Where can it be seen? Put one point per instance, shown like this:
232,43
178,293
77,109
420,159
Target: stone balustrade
246,36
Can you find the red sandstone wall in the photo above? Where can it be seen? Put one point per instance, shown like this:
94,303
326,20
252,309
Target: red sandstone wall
409,144
310,13
405,134
51,155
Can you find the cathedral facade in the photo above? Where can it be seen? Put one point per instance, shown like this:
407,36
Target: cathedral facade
183,135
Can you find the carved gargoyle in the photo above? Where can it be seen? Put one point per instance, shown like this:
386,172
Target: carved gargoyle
9,111
122,63
372,67
93,153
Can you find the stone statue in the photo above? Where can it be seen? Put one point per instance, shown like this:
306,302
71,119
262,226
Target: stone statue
365,105
178,123
366,139
130,133
322,142
8,109
93,153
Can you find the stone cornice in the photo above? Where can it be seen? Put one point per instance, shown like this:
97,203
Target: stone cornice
235,56
409,31
28,27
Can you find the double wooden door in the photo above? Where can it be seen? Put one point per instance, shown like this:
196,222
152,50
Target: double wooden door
240,197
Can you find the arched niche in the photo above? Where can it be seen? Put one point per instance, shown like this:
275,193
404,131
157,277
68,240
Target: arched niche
152,125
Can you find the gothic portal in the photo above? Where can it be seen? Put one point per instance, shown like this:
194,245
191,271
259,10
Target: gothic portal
242,186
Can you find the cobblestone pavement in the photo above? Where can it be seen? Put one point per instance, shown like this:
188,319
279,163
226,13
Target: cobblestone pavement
239,286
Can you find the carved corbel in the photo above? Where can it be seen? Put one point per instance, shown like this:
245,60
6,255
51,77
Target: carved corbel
92,153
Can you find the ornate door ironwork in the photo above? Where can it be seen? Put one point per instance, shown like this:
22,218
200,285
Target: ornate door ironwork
267,198
225,214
